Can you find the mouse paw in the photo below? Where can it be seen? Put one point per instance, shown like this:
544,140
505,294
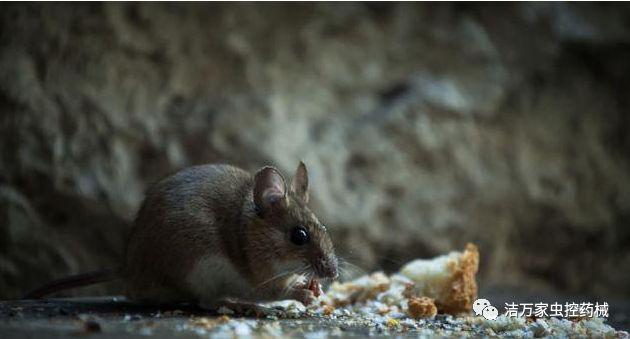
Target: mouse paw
303,295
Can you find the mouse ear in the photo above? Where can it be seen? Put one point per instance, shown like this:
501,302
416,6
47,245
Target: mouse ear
299,183
270,194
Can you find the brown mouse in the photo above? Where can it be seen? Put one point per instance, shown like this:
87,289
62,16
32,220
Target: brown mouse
213,232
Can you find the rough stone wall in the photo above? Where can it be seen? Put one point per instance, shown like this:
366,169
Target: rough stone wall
424,126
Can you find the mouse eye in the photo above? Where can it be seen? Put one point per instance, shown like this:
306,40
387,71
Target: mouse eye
300,236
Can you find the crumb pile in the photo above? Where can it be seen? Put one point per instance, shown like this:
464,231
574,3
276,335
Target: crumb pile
426,297
421,289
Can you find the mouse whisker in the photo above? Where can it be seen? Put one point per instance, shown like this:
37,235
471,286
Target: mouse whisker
274,278
297,272
349,270
301,277
291,284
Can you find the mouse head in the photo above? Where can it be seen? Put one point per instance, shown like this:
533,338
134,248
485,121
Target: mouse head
294,235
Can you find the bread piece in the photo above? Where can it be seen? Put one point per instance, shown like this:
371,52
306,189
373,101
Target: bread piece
359,290
448,279
421,307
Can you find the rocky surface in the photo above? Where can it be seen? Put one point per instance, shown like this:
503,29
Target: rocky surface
424,126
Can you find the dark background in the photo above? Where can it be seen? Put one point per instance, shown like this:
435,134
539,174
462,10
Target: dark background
424,126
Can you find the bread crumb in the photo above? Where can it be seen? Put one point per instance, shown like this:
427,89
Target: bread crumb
360,290
203,323
383,310
421,307
448,279
392,322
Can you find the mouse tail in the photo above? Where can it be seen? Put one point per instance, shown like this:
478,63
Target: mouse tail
74,281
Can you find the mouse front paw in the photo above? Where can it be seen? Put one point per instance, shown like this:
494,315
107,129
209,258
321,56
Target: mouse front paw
307,292
303,295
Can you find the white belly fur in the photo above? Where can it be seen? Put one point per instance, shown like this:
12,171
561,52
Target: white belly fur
214,277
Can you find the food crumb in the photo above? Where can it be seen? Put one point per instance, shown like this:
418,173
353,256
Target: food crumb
383,310
203,323
422,307
392,322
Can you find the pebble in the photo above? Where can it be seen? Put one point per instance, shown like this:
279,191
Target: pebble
225,310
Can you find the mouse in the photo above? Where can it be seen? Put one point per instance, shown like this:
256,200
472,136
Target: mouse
211,234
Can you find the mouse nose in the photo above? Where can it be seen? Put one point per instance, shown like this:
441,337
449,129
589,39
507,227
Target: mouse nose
326,267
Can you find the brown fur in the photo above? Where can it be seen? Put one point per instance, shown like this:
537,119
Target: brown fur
220,210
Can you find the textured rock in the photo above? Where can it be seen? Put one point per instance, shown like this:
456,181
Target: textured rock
424,127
